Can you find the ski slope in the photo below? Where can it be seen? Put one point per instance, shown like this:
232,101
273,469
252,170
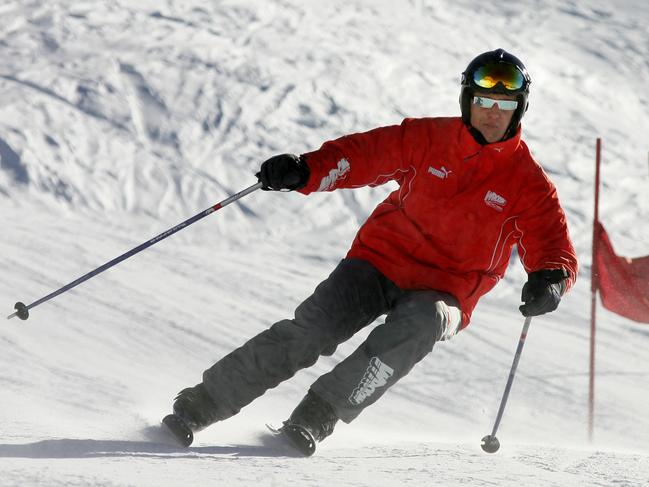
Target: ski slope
120,119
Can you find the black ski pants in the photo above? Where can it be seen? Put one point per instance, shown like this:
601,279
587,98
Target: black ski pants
352,297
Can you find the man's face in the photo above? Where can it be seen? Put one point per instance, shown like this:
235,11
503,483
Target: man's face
491,122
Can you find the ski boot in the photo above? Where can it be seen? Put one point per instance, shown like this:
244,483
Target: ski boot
194,410
310,423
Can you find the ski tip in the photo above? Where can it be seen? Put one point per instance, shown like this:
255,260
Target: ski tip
276,430
179,429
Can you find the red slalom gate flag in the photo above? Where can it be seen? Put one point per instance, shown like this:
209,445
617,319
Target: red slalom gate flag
623,283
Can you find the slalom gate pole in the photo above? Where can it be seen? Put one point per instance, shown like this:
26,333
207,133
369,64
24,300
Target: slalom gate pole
594,281
490,443
22,310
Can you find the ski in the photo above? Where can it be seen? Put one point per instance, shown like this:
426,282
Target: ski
179,429
298,437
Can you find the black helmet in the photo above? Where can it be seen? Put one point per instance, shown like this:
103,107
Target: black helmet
496,72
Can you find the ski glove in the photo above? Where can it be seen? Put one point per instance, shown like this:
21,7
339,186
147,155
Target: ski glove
542,292
283,172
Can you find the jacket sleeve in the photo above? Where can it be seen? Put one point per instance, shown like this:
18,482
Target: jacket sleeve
544,241
363,159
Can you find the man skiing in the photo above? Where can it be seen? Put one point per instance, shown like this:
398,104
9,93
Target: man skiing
469,190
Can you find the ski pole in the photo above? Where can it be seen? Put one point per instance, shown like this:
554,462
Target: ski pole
490,443
22,310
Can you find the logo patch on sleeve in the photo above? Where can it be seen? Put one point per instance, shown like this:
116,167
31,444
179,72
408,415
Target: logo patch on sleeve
329,181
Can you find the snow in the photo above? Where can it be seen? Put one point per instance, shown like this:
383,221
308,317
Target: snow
120,119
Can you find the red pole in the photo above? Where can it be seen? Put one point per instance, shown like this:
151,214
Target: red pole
593,296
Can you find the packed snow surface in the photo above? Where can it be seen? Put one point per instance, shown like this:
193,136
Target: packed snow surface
120,119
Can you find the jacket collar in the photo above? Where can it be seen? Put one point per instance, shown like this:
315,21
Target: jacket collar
497,150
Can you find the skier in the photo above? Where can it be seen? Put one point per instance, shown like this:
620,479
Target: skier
469,190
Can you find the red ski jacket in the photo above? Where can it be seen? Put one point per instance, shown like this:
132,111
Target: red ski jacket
459,210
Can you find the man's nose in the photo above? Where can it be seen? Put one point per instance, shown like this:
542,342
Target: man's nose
493,112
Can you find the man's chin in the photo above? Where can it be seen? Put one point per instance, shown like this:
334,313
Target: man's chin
491,136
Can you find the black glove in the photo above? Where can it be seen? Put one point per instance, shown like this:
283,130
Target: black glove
542,292
285,171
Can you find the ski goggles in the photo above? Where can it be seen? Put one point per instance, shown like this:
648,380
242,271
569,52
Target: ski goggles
489,75
484,102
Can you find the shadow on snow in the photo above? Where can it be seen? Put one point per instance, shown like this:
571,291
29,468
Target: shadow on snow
155,445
